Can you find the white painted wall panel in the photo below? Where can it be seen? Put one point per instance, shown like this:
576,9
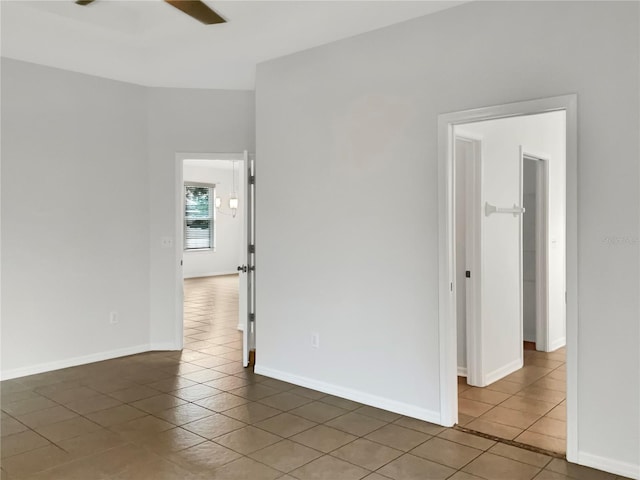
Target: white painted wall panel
354,255
91,164
75,217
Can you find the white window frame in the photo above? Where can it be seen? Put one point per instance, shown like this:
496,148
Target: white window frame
212,209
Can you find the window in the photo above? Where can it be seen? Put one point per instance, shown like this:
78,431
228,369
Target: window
199,217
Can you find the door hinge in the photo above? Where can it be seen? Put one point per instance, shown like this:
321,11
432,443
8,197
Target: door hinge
252,317
451,286
252,249
252,180
467,273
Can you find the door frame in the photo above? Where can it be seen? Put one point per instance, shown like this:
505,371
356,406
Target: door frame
178,229
542,245
446,269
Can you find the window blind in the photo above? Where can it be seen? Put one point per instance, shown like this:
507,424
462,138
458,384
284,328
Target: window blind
198,217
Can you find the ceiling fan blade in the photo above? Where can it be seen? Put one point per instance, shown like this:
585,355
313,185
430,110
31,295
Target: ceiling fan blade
198,10
84,2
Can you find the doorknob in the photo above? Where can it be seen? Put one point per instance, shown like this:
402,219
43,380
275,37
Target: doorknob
242,269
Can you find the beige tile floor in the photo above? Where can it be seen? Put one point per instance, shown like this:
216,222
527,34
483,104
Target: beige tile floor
528,406
198,415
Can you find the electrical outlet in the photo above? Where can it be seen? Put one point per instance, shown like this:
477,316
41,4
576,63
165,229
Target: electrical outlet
113,318
315,340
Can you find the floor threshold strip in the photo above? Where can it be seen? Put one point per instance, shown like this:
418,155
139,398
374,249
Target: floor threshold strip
513,443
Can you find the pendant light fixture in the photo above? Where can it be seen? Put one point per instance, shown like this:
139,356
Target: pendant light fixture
233,198
233,201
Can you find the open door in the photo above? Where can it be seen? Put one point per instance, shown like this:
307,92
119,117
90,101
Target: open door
468,239
247,265
495,341
536,255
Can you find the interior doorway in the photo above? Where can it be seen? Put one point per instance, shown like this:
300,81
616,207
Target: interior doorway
494,346
508,392
216,247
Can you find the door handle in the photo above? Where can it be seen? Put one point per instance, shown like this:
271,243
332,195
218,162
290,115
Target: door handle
242,268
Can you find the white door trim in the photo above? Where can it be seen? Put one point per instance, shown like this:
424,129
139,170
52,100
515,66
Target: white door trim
179,235
447,305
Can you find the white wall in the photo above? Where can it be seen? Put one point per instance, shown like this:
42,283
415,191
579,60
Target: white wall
75,218
228,229
68,136
195,121
542,135
352,126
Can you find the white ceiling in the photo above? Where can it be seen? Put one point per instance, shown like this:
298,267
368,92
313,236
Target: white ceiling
151,43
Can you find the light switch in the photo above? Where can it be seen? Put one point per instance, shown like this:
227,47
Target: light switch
167,242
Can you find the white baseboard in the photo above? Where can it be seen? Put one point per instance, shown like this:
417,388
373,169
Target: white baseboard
559,343
212,274
74,361
609,465
502,372
354,395
462,371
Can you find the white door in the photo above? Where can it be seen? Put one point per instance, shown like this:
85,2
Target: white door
498,337
493,261
468,165
246,268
